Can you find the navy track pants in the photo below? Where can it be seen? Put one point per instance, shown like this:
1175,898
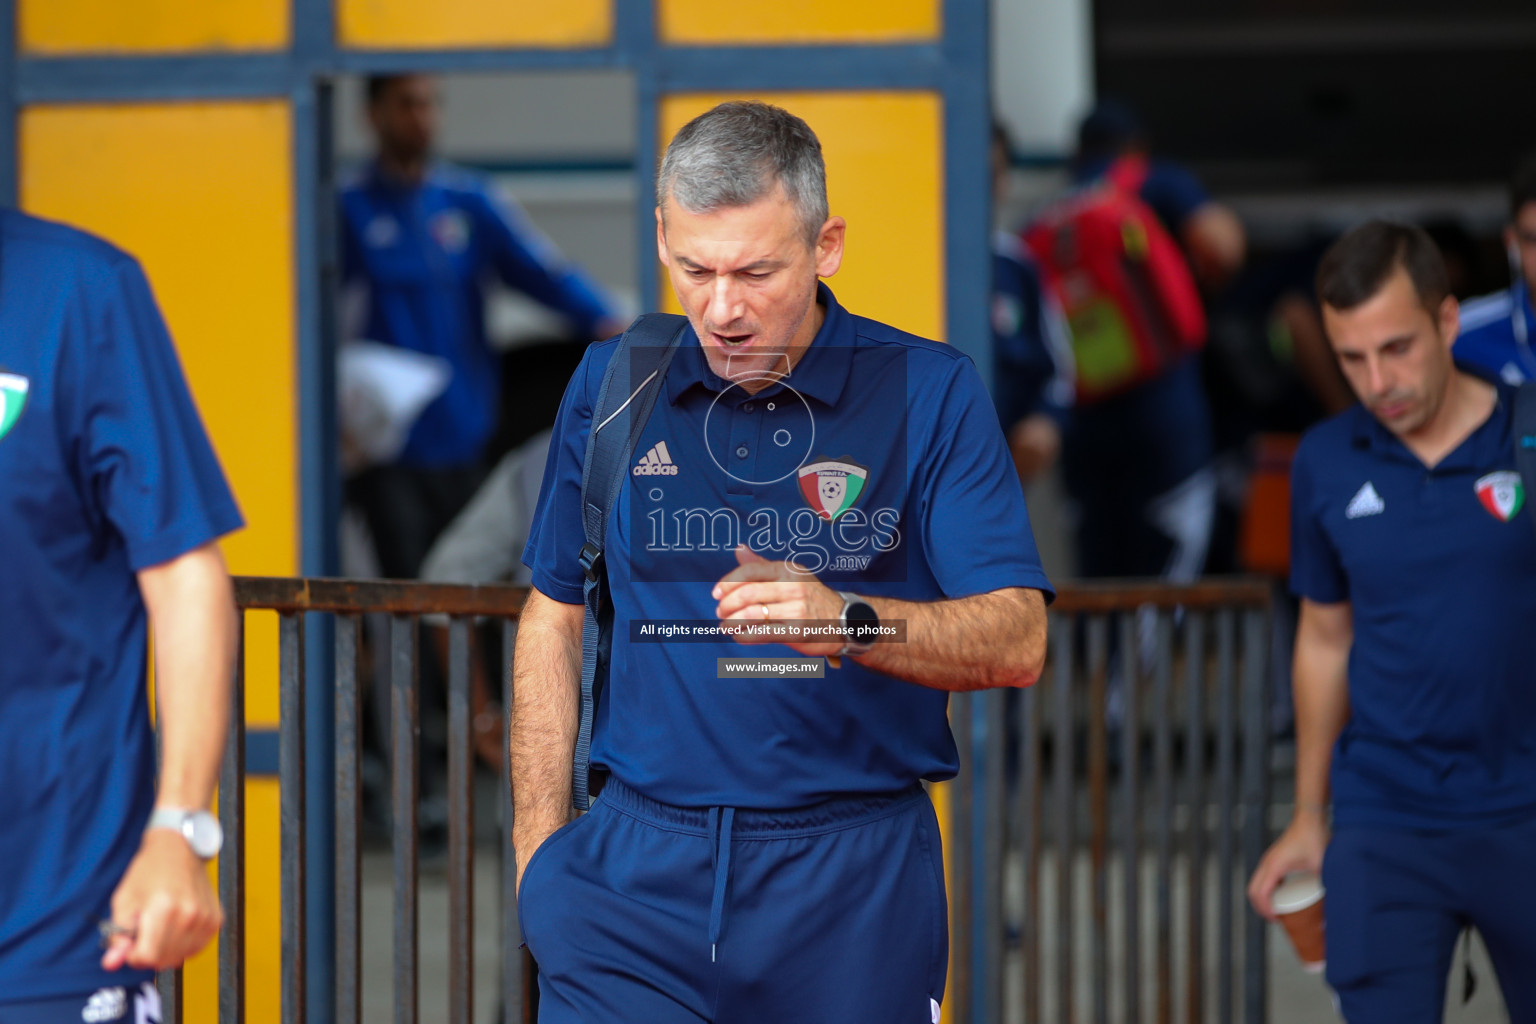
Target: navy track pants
1399,898
832,914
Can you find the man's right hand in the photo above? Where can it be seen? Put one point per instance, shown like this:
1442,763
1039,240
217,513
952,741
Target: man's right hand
524,847
1299,848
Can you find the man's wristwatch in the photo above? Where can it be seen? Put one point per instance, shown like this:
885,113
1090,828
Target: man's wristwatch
199,828
860,617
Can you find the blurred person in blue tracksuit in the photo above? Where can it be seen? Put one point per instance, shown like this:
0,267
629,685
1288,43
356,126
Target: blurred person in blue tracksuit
421,242
1496,329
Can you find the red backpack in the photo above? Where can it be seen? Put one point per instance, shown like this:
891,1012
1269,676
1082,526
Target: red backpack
1121,280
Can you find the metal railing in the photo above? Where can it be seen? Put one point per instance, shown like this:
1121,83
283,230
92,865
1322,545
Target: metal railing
1125,795
348,601
1139,796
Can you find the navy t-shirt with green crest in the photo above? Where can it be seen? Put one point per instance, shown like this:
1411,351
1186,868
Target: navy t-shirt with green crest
1439,567
105,470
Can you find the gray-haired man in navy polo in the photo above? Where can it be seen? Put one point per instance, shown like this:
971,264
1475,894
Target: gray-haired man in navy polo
762,849
1415,668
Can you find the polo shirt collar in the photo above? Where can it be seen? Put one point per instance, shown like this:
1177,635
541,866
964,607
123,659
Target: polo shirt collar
821,373
1370,434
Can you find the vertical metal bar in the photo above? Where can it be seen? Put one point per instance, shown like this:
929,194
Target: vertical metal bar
461,827
232,857
1063,773
635,36
1130,826
1226,729
171,988
1098,804
405,729
512,979
1194,772
1162,698
962,820
995,820
291,800
968,197
349,797
1256,662
1028,817
315,256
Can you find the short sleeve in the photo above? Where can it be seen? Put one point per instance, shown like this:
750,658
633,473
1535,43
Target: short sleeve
976,535
1316,573
555,539
152,471
1174,194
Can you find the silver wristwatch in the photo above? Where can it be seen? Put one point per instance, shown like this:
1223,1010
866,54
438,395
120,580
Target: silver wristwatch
860,616
199,828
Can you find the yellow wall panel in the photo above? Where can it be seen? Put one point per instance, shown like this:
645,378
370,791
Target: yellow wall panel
414,25
263,908
149,26
798,21
884,154
200,193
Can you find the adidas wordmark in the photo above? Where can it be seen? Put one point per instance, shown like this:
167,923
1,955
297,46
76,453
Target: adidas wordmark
656,462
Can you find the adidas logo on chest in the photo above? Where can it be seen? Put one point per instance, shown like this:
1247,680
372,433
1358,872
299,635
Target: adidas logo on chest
656,462
1366,502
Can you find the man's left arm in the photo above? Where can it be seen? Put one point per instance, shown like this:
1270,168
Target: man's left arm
165,899
968,643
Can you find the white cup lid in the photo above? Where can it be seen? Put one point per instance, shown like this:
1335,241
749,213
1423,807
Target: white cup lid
1298,892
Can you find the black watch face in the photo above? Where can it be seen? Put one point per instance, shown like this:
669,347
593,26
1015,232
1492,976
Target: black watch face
864,621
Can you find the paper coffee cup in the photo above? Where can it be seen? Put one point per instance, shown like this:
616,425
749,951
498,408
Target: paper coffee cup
1298,903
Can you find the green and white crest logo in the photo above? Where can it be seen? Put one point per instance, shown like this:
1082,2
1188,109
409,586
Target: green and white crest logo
831,486
13,398
1502,494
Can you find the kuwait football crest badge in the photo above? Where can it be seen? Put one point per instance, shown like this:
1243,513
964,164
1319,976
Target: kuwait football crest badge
1502,494
13,396
831,486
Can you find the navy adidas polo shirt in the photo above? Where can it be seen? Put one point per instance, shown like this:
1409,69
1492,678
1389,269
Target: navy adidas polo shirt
1439,566
878,464
104,471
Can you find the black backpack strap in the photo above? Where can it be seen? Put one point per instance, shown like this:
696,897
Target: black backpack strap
630,386
1525,443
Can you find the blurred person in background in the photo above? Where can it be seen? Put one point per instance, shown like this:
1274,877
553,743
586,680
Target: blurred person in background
1269,371
421,242
1496,329
111,503
1124,254
1031,346
1415,563
482,546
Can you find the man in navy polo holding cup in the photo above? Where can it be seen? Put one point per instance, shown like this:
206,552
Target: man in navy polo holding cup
1415,666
